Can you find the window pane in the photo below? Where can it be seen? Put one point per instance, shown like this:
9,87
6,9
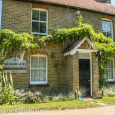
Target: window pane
42,15
35,15
42,27
42,62
35,26
109,73
109,35
34,62
108,26
104,33
42,75
110,64
34,75
104,25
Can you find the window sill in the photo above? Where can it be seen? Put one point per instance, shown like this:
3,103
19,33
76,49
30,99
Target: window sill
38,85
44,34
111,81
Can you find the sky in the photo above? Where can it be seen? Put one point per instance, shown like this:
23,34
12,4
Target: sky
113,2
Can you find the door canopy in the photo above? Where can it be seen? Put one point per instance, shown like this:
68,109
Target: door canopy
82,45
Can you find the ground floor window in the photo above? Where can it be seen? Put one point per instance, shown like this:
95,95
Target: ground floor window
38,69
109,70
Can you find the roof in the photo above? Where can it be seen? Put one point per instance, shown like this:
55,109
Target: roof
71,49
88,5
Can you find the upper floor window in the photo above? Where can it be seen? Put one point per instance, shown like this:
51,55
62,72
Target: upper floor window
39,22
38,69
107,29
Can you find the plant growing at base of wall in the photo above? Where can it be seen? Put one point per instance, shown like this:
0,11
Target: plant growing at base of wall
58,66
8,94
18,43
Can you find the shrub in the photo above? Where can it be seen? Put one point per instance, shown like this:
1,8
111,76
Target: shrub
110,91
20,95
8,94
33,97
71,96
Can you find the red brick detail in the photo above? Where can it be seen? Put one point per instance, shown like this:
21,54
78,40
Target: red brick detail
85,45
107,17
34,5
40,52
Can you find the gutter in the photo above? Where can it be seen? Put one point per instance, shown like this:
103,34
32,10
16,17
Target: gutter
66,6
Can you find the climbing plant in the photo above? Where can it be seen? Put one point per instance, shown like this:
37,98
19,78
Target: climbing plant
101,43
20,42
17,42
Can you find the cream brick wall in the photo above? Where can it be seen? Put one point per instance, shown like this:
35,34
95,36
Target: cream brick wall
16,16
95,74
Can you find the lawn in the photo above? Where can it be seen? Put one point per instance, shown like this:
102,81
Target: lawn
109,100
75,104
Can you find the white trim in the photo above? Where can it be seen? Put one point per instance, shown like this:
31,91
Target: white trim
86,50
39,82
90,69
0,12
73,51
37,33
91,74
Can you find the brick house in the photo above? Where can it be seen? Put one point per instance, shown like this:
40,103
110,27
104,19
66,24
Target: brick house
42,18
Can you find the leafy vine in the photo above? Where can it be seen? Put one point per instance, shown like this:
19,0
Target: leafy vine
11,41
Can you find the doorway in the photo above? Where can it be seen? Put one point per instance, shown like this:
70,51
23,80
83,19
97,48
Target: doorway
84,76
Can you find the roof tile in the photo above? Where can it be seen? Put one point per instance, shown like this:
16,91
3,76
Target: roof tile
87,4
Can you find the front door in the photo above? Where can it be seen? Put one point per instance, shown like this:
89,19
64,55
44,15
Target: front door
84,76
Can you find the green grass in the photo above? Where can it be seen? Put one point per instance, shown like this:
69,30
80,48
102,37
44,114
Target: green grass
109,100
75,104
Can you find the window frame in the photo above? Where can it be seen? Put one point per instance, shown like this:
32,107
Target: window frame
107,20
113,71
39,82
0,12
38,33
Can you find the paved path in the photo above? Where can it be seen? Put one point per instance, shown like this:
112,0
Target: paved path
106,110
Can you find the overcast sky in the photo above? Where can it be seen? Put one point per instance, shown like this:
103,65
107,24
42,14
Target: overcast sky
113,2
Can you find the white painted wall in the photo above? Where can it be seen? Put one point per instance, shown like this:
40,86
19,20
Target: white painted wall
0,12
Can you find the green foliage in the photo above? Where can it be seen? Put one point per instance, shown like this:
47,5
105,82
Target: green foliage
101,43
102,82
109,91
106,46
8,94
9,39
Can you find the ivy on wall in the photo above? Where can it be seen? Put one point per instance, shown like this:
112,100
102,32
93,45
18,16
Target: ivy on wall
101,43
10,40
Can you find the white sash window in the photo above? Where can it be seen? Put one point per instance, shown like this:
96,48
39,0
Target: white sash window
38,71
109,70
107,29
39,22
